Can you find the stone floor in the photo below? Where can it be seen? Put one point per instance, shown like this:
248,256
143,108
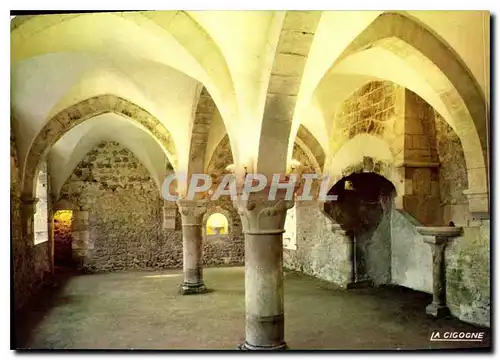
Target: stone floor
142,310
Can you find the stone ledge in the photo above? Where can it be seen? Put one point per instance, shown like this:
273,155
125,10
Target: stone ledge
439,231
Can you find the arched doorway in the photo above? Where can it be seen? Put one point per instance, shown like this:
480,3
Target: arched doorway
63,238
363,209
217,224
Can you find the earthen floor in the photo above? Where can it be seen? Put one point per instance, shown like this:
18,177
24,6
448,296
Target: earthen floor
142,310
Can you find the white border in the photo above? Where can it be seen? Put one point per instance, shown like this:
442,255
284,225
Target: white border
187,5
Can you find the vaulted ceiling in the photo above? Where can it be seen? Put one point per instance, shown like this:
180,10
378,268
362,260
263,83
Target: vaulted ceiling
161,60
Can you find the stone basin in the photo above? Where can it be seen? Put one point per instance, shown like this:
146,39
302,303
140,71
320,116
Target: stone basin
439,231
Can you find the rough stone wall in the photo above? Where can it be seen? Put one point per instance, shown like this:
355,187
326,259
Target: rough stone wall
467,267
320,252
420,138
363,209
411,257
373,249
299,155
124,208
30,263
468,273
367,109
231,247
224,249
452,174
370,110
421,196
126,215
221,158
467,257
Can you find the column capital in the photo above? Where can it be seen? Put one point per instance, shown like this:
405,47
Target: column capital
192,211
259,215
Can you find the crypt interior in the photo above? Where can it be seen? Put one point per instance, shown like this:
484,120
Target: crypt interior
391,107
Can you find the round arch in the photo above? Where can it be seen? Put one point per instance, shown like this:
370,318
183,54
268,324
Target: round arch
218,210
74,115
363,153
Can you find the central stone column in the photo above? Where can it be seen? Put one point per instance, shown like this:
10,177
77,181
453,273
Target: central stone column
192,212
263,223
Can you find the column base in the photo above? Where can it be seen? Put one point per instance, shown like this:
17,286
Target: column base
362,284
190,289
247,347
437,310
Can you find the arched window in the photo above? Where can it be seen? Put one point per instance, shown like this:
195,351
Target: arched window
290,235
217,224
41,217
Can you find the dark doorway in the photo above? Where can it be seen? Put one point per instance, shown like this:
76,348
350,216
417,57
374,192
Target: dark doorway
63,238
363,209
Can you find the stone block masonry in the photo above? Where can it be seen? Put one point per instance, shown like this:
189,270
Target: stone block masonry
30,262
125,215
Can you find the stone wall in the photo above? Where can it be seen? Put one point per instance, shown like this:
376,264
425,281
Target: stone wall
373,250
30,263
467,267
411,257
125,215
370,110
320,252
452,174
224,249
468,273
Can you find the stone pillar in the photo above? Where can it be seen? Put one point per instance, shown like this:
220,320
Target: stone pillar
437,237
263,223
80,243
192,212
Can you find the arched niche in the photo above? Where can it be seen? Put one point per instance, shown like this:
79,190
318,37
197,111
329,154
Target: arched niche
217,221
363,208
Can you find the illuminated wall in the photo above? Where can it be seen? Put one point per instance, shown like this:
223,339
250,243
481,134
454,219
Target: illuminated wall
217,224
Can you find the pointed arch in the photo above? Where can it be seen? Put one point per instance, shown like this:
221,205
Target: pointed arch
289,62
157,34
74,115
206,109
448,76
